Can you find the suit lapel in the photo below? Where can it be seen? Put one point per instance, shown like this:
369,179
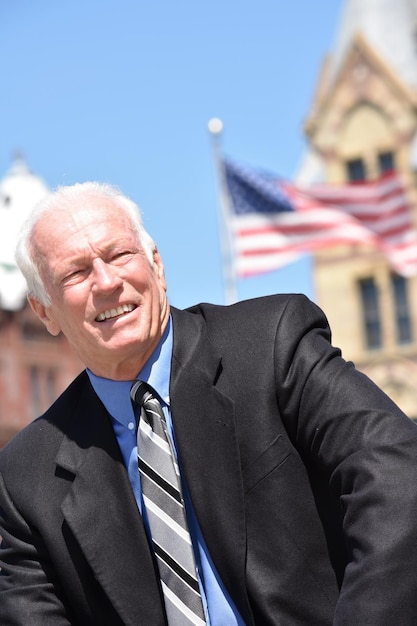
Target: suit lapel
205,431
117,550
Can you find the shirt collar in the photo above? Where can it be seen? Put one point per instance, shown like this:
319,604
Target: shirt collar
115,394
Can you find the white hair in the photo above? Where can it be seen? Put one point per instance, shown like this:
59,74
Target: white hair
65,199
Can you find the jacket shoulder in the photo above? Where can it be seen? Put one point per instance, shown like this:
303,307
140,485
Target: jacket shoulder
260,316
264,305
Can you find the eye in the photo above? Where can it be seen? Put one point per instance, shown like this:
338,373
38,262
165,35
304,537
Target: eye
74,276
121,256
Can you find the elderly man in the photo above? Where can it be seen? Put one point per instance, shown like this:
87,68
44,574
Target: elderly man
219,465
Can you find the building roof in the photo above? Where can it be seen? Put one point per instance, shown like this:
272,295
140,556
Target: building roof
20,190
389,26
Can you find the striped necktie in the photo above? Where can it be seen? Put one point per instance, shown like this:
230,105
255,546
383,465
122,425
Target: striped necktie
162,496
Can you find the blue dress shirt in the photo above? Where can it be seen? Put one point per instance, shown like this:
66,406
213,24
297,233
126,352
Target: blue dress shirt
115,395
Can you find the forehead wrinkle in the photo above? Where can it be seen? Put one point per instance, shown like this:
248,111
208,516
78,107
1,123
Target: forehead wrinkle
71,227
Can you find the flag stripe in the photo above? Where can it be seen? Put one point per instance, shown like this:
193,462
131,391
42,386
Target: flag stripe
274,222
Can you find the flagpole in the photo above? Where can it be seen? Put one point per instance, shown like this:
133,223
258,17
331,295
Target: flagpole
215,127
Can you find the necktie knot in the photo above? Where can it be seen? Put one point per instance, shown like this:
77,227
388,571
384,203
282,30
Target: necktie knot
144,396
140,392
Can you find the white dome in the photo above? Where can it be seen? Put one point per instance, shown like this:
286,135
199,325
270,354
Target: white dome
20,190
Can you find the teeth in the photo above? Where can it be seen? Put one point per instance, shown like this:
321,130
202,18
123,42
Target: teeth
125,308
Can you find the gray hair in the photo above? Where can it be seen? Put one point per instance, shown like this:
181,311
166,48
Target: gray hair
64,199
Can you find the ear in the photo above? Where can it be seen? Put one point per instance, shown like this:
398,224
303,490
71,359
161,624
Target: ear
45,315
158,267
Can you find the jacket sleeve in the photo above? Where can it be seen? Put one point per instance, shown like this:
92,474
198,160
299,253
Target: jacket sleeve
28,592
347,430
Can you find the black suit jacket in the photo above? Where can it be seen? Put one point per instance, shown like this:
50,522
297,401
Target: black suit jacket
303,476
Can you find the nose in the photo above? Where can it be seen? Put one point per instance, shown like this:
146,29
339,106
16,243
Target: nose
105,277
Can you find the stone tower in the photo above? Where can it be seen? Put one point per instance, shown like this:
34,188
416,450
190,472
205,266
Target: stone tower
363,122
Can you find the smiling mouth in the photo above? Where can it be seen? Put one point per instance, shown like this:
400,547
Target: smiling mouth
117,312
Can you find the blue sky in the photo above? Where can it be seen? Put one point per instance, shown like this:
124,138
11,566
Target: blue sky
122,91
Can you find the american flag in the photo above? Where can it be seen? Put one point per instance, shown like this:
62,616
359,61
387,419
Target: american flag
274,222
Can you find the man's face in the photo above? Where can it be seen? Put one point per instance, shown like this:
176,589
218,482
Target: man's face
106,297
